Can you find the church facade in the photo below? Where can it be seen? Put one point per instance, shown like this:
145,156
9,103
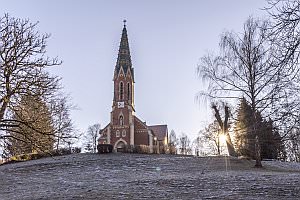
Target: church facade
125,128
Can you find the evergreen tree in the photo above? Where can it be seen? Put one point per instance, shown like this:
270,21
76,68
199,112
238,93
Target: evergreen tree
34,132
271,142
269,138
244,135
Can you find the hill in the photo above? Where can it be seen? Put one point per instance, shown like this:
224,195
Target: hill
137,176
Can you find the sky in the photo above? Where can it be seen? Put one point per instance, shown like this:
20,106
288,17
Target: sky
166,40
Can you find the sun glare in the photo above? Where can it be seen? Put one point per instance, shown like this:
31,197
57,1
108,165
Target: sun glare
222,138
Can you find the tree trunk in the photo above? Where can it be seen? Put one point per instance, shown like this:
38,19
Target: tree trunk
2,110
57,143
224,126
257,153
257,148
218,144
230,147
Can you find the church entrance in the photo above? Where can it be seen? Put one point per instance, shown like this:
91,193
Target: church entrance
120,147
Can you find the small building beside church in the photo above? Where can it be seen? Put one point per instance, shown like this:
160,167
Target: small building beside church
125,128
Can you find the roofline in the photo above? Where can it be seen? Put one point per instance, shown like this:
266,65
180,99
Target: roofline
159,125
104,127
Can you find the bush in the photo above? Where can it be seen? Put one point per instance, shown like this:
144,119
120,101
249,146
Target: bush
172,149
76,150
104,148
34,156
24,157
144,149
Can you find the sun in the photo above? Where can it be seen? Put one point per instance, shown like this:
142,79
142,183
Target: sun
222,139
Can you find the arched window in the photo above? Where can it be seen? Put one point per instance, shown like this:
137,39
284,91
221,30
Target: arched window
128,90
117,133
121,120
124,133
121,90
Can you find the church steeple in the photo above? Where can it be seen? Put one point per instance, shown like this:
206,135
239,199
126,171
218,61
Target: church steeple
124,127
124,74
124,59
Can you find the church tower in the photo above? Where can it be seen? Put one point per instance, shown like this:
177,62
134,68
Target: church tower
122,115
125,130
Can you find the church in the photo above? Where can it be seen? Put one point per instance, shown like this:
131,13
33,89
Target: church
125,128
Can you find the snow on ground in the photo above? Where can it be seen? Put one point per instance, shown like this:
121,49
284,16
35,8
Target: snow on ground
137,176
292,166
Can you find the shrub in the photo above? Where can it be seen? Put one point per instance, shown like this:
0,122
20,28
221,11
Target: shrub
172,149
104,148
144,149
76,150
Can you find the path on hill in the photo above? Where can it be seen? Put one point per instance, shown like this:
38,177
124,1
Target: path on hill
137,176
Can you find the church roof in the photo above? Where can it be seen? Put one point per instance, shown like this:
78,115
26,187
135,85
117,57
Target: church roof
124,59
160,131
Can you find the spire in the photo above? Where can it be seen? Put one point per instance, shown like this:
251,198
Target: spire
124,58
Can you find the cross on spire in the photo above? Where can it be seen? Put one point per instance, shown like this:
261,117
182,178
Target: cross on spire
124,21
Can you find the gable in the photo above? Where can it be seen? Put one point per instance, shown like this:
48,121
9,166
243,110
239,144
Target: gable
160,131
139,124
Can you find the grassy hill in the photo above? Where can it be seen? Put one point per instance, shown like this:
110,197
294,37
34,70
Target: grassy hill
137,176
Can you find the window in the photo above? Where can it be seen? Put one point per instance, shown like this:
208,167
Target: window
121,90
128,90
121,120
117,133
124,133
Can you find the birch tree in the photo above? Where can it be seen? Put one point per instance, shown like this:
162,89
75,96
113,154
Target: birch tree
285,27
246,68
91,137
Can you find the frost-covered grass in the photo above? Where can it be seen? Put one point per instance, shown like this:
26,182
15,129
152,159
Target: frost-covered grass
286,166
137,176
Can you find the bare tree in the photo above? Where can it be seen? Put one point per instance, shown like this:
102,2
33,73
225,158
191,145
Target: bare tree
246,67
285,36
293,145
224,128
198,145
211,136
184,144
91,137
286,29
22,66
173,142
60,109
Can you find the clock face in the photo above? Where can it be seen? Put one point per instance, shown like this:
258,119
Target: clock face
121,104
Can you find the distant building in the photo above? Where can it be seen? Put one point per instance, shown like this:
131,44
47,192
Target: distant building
125,128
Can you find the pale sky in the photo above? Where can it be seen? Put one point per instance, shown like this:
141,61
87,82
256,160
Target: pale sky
166,40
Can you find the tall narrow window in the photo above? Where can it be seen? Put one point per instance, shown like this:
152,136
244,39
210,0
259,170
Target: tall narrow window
121,90
121,119
128,90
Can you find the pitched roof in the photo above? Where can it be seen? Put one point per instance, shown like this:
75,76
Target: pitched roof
140,121
160,131
124,58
